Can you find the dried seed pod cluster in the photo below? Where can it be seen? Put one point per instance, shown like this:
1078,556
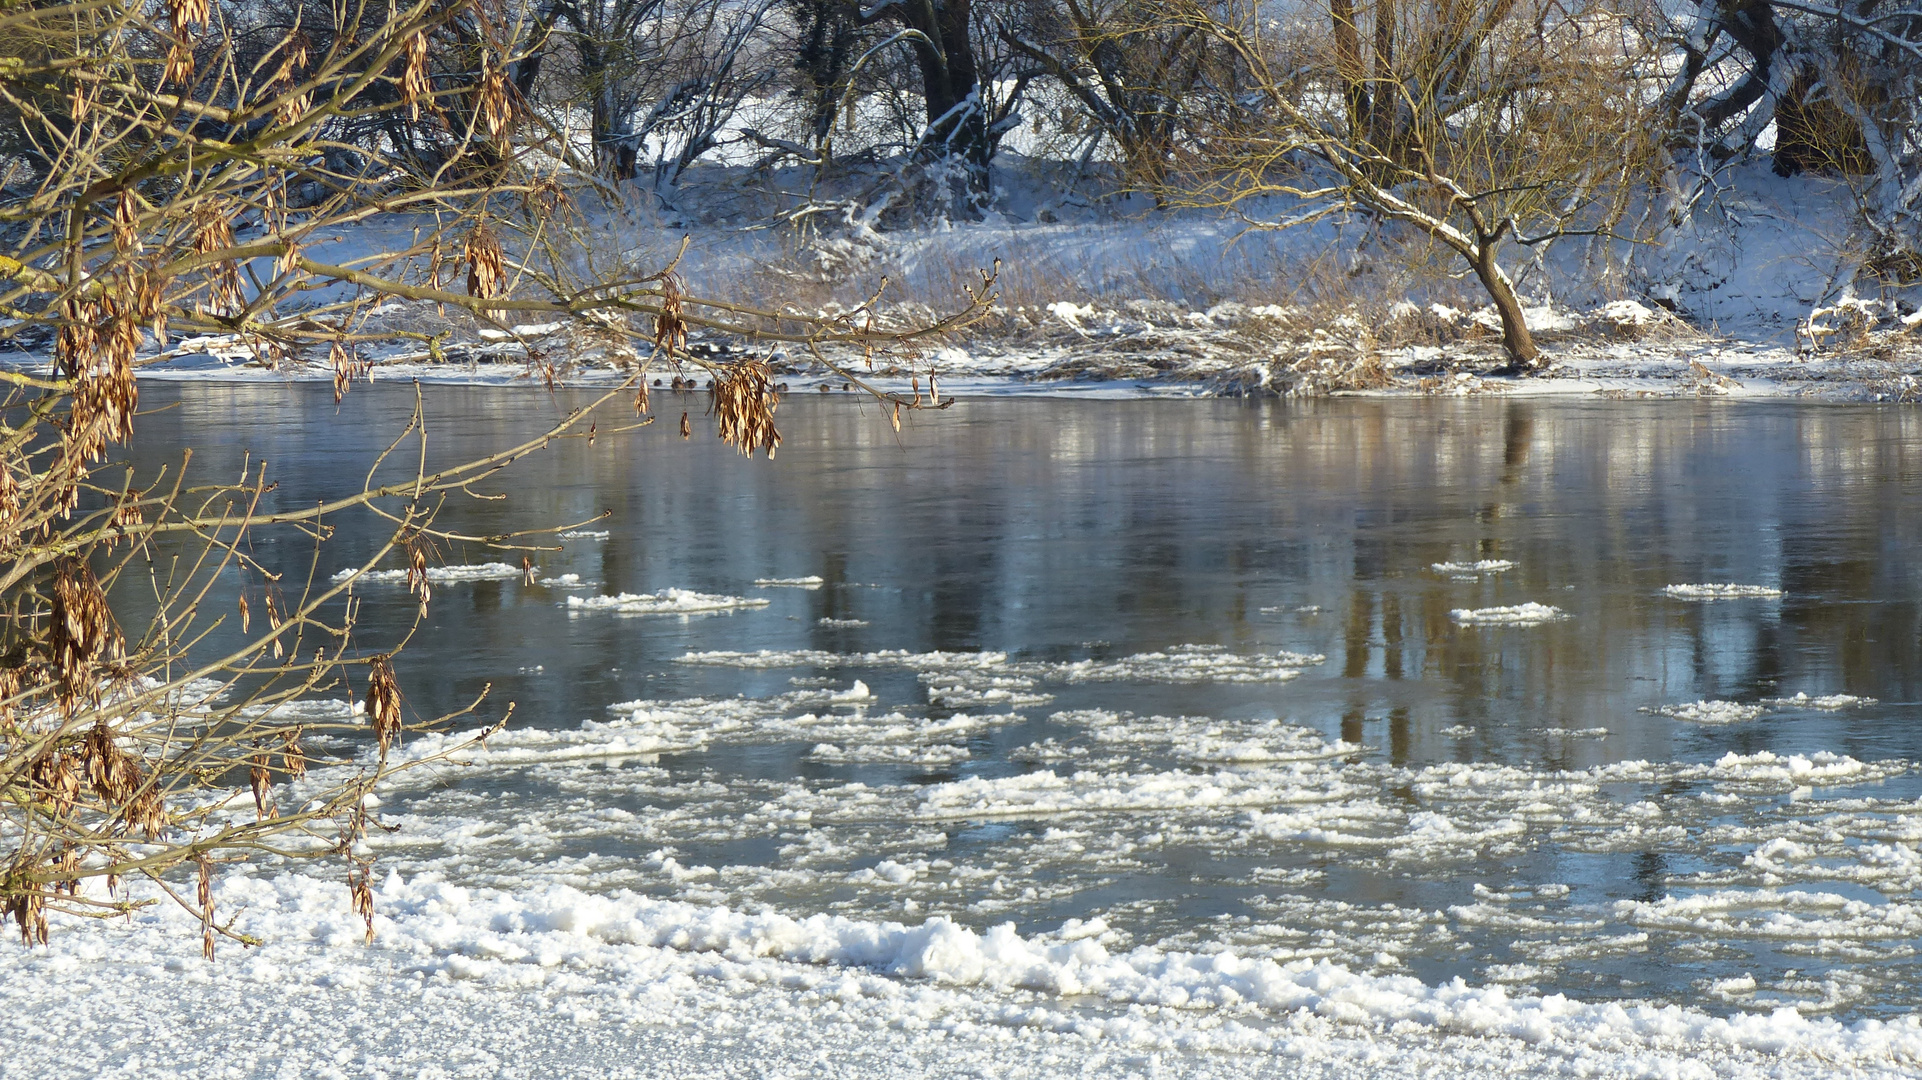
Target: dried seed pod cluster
743,400
83,639
486,275
383,702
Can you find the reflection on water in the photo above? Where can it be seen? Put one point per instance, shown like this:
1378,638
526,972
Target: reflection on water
1514,809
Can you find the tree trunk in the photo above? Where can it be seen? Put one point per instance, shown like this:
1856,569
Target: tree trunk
1348,67
950,87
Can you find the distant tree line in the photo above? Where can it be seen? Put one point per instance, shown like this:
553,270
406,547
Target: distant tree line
1485,123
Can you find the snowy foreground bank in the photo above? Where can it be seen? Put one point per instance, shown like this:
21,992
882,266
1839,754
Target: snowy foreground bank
557,982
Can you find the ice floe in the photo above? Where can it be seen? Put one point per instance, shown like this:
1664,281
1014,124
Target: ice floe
439,575
1709,712
1529,614
665,602
1727,591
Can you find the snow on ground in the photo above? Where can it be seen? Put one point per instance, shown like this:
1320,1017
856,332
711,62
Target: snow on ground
1119,299
551,981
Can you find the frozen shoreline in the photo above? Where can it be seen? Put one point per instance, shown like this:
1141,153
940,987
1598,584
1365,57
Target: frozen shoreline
472,982
1727,370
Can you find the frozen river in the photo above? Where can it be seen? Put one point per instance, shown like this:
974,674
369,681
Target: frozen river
1396,692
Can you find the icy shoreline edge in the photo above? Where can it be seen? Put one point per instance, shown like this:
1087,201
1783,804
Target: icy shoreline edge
1756,371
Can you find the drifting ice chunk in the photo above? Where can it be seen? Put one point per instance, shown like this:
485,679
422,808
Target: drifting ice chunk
1529,614
440,575
1481,566
665,602
1719,592
1710,712
1824,702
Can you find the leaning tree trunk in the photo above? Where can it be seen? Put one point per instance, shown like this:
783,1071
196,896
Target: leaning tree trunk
1519,343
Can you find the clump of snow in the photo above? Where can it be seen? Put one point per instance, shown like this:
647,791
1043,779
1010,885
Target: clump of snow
1710,712
857,692
665,602
439,575
1529,614
1480,566
564,581
810,582
842,624
1720,592
1627,313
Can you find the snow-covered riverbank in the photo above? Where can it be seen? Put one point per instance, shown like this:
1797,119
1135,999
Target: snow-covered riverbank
552,981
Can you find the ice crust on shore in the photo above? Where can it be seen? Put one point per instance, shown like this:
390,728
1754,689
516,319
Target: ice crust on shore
1726,591
665,602
1529,614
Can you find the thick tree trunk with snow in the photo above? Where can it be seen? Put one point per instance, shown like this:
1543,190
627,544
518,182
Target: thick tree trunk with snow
951,88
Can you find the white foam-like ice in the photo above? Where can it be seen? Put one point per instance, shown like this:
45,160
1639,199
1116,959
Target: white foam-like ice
439,575
1529,614
1188,664
1725,591
1709,712
1479,566
665,602
1041,794
1180,664
809,582
1822,702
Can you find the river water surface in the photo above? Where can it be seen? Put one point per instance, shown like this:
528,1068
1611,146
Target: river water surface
1188,674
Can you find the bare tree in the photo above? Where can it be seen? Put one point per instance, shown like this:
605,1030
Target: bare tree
1482,124
1839,87
1129,68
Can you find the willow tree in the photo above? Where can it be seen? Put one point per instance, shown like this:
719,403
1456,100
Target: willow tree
174,173
1489,126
